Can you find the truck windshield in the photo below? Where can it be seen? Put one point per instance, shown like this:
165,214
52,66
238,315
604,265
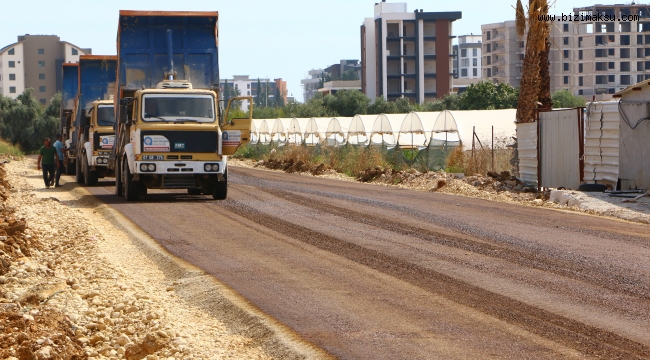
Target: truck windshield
178,108
105,115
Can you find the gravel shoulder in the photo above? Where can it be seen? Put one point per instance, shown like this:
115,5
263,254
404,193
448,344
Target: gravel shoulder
486,188
96,282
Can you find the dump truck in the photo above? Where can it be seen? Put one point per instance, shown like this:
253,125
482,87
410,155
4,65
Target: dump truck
68,114
172,131
95,119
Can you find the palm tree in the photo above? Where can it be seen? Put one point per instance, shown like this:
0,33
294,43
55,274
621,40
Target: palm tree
535,83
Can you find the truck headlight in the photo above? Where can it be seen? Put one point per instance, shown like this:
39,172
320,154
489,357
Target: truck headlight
143,167
151,167
215,167
208,167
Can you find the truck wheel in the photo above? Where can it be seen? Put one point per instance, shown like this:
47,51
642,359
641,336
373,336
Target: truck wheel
118,178
78,171
220,191
69,168
131,192
90,177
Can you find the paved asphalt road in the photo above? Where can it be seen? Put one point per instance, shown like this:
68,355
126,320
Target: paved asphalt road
371,272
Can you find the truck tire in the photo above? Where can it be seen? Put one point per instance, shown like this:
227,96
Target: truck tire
90,176
118,178
78,172
131,191
194,191
220,190
69,168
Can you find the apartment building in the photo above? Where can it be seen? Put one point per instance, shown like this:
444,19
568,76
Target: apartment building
593,57
310,83
35,61
469,57
502,53
248,87
407,54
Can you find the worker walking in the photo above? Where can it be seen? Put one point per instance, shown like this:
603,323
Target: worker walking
48,159
58,145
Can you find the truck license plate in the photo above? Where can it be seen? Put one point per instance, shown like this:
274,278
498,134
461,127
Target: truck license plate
153,157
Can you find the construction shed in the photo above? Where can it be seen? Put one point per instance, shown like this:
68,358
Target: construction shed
634,136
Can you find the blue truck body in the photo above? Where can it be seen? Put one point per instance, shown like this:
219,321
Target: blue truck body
97,76
143,48
70,85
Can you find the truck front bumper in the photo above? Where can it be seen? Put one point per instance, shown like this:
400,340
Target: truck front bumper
179,167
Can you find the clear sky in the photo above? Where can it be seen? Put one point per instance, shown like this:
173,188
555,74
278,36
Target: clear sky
260,38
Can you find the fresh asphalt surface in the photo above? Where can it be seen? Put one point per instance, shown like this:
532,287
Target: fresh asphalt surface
372,272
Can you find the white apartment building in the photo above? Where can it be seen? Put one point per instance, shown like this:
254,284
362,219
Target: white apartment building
469,56
407,54
502,53
310,84
35,61
596,58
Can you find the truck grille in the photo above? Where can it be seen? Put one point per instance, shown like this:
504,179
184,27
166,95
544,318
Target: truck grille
178,181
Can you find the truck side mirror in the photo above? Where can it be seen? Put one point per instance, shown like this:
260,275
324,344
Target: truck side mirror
83,121
124,114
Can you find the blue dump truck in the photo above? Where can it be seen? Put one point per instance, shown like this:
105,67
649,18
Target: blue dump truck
172,132
95,118
68,113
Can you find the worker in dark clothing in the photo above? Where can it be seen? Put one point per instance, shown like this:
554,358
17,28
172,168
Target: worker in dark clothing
48,159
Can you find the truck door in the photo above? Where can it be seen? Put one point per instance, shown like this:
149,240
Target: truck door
235,132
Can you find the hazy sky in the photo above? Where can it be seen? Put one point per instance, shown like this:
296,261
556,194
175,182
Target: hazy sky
260,38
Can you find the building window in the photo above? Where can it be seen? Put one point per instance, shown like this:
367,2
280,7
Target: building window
74,51
474,62
12,89
12,64
601,66
601,53
489,60
41,76
580,92
489,47
640,66
580,81
580,68
566,66
565,53
566,40
625,79
566,80
463,52
625,39
521,57
474,72
625,53
12,76
601,79
43,101
611,52
464,62
474,52
41,64
612,78
11,51
42,89
488,35
463,72
579,54
489,72
647,65
565,27
521,44
611,65
639,78
639,39
625,66
248,86
41,51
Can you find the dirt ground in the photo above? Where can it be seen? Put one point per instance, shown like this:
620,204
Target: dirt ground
494,187
73,286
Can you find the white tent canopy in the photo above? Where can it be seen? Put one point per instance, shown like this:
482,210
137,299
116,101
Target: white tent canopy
357,133
336,134
465,122
416,128
278,133
263,131
382,129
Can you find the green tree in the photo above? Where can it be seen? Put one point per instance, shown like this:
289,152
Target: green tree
381,106
350,75
258,96
484,95
565,99
347,103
